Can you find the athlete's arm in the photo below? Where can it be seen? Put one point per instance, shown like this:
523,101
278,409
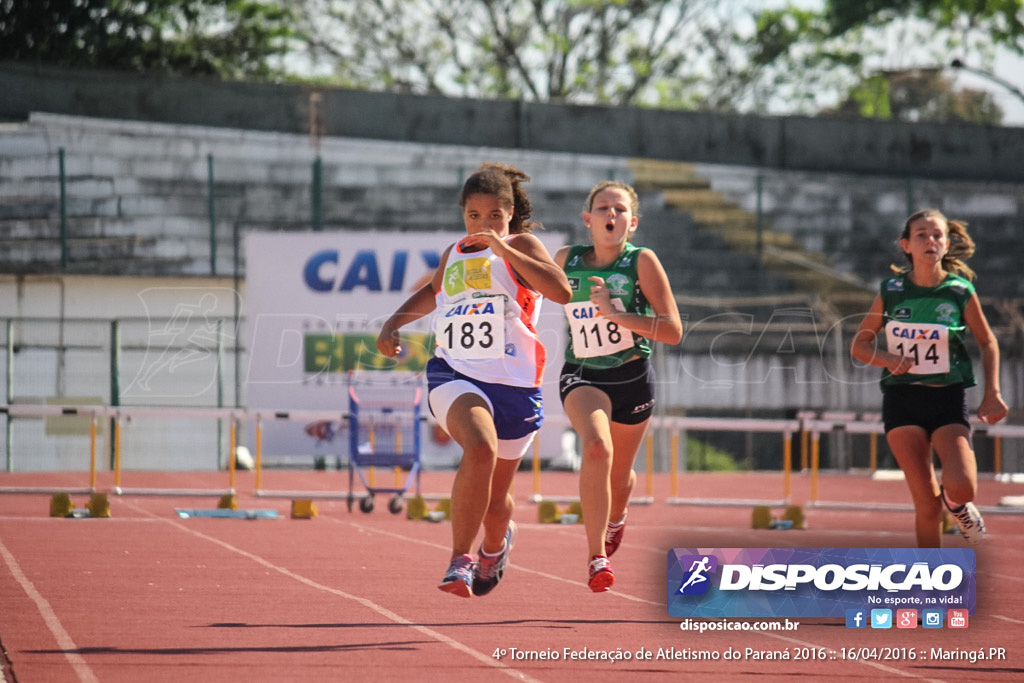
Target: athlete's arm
665,325
560,256
992,408
863,348
420,303
533,266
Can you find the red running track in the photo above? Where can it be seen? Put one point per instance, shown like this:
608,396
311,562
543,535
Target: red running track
346,596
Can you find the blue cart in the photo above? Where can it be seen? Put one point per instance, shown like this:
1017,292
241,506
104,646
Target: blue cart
384,434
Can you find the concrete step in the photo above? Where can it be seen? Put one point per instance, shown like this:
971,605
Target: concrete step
658,174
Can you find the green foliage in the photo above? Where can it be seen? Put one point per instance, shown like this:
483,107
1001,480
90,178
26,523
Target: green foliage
702,457
227,38
919,95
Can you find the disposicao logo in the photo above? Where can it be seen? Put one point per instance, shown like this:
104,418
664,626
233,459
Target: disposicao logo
697,581
818,582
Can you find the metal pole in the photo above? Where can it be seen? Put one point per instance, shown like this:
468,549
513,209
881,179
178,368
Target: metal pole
10,393
317,190
115,383
213,214
63,211
760,231
318,195
220,391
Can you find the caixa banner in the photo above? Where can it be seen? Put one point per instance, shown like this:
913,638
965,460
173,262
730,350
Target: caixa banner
816,582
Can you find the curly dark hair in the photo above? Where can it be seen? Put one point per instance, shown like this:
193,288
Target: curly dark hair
506,183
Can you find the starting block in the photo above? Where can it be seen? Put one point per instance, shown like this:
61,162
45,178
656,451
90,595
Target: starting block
61,506
303,509
417,509
549,512
792,518
99,505
227,502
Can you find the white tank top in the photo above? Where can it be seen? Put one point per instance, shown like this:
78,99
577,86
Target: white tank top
486,321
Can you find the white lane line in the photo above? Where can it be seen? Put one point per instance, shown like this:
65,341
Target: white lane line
483,658
64,640
1009,619
620,594
518,567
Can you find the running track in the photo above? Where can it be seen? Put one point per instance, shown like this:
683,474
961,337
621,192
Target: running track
148,596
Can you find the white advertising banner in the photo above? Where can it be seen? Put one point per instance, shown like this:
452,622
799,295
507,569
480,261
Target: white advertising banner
314,305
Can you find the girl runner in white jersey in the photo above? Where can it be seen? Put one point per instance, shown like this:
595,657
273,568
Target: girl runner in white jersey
922,314
621,300
484,379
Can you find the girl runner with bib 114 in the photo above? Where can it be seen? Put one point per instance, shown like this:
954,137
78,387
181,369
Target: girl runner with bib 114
607,384
484,379
925,311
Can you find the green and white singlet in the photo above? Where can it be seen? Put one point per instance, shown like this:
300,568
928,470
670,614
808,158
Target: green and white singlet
927,323
595,342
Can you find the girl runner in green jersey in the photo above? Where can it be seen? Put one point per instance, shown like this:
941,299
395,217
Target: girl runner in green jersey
922,314
621,300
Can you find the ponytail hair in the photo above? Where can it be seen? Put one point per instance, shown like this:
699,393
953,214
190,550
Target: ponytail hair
961,246
506,183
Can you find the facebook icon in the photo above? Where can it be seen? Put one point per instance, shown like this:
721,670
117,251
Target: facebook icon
856,618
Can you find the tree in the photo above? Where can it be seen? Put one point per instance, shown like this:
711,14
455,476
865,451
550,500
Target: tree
879,53
227,38
588,51
919,95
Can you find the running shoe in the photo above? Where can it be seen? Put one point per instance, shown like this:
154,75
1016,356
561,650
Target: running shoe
601,575
613,536
491,568
459,578
972,526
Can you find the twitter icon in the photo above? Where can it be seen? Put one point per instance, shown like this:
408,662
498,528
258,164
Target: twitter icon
881,618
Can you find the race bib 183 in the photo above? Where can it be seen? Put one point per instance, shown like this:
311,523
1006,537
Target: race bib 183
472,328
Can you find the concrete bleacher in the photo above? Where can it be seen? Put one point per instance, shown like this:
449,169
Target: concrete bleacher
138,194
853,221
138,198
138,202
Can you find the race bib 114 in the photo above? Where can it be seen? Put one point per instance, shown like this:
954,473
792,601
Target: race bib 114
926,343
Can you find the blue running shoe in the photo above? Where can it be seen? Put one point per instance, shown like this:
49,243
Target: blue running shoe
459,577
491,568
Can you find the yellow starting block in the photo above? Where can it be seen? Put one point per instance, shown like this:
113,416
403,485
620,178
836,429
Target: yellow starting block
99,505
61,506
549,512
417,509
303,509
792,518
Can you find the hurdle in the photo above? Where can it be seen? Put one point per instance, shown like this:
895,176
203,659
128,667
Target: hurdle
121,412
562,421
871,425
679,426
258,418
30,411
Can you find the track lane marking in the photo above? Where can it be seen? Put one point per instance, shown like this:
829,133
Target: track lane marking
64,640
620,594
369,604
